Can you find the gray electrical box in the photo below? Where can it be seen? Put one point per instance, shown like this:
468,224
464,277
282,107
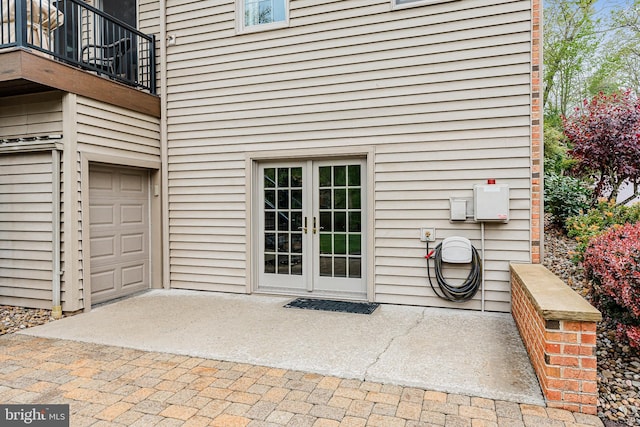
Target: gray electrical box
491,202
458,209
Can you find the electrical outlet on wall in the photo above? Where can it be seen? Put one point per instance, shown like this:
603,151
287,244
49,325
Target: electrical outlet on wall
428,234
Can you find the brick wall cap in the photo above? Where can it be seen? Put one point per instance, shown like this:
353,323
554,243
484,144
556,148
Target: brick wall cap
552,298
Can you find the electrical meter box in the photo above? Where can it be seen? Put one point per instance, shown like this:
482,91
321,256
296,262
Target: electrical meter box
491,202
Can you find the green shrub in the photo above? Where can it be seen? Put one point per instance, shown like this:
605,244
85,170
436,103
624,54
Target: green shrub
556,159
598,220
564,196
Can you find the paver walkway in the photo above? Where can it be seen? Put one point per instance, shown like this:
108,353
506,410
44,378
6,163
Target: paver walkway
107,385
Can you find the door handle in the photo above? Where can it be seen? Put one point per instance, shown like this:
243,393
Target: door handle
304,229
315,228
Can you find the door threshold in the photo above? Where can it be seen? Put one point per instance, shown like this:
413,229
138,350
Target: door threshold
347,296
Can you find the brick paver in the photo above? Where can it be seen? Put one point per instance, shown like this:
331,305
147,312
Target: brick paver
116,386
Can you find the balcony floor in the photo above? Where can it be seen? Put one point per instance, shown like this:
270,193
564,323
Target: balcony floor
23,72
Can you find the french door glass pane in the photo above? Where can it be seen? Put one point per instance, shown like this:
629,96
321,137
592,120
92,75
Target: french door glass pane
340,198
269,263
354,176
339,267
270,178
283,213
339,176
340,212
325,176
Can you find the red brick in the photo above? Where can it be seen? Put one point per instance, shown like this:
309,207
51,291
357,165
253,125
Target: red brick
572,385
571,349
589,387
589,409
563,337
554,371
553,395
588,339
563,385
571,326
587,350
580,374
556,383
589,363
589,326
589,399
552,348
572,397
573,407
564,361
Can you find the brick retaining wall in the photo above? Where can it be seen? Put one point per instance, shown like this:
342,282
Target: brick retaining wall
558,328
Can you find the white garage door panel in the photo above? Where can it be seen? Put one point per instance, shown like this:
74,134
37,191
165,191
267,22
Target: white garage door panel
132,214
102,215
133,244
132,183
119,199
101,180
102,247
133,276
102,282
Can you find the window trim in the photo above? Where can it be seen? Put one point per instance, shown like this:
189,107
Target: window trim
242,28
416,3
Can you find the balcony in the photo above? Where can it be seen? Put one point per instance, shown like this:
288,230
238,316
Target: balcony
71,46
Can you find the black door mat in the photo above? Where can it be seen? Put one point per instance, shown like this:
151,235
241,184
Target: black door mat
331,305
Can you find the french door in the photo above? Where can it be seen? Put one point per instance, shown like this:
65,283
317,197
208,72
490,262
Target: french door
312,225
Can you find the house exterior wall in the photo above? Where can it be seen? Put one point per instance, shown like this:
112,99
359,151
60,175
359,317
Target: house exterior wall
149,23
26,251
439,96
31,115
91,131
26,210
103,129
108,134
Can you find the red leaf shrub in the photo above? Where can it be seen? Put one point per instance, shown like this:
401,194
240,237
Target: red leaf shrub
612,263
631,334
605,135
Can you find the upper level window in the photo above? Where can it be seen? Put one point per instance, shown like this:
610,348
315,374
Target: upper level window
262,14
408,3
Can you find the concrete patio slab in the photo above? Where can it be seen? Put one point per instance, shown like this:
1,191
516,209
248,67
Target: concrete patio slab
454,351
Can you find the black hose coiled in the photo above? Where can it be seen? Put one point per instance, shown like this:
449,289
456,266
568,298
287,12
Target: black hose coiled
466,290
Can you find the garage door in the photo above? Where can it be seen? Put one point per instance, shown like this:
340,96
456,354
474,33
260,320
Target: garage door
119,230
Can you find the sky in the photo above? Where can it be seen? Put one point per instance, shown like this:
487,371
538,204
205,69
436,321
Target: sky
608,5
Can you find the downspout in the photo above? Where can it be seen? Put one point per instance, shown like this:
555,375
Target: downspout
56,310
164,149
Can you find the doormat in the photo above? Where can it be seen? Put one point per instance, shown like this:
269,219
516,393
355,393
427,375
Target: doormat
331,305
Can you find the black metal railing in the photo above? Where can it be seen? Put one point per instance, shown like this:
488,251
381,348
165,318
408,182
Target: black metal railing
80,35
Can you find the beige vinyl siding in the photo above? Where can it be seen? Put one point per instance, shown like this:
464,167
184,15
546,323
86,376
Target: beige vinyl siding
26,213
149,16
149,23
115,135
26,262
113,131
70,287
31,115
437,172
441,92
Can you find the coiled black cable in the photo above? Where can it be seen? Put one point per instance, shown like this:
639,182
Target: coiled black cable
467,289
